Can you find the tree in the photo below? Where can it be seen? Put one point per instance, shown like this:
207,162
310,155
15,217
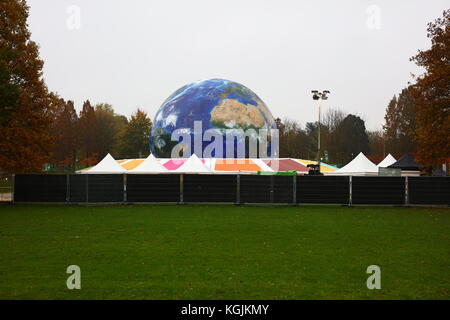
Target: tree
342,137
400,123
351,139
333,118
391,125
432,94
87,133
109,128
331,121
376,145
64,133
406,105
25,104
135,138
106,134
311,129
120,125
293,140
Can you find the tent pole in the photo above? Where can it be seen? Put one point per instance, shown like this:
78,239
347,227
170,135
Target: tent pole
318,140
294,189
406,191
125,188
271,188
67,188
181,188
14,187
350,183
238,189
87,187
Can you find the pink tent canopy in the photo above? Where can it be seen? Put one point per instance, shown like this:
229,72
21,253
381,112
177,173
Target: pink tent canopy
286,165
174,164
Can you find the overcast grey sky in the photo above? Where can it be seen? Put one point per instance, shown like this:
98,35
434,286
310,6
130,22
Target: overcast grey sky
135,53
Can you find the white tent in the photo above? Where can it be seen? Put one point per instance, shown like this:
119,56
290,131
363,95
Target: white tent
359,166
193,164
107,165
149,165
387,161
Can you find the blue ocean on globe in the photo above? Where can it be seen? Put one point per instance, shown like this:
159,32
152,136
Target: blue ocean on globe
219,104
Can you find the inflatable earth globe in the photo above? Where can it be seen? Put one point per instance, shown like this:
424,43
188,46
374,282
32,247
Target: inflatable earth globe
221,105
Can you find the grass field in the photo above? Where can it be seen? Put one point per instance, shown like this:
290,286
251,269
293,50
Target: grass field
223,252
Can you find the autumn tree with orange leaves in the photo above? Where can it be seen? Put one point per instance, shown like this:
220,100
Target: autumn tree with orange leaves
64,130
400,124
432,94
25,104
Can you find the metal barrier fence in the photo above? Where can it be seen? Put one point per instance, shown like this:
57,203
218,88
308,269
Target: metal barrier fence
239,189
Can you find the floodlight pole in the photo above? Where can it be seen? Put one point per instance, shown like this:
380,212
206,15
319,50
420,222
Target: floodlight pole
318,140
318,96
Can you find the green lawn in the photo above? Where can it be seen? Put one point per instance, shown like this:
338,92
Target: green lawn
223,252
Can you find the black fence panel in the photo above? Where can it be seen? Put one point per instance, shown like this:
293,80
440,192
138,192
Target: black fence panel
77,187
255,189
223,188
429,190
378,190
283,189
105,188
40,188
323,189
153,187
209,188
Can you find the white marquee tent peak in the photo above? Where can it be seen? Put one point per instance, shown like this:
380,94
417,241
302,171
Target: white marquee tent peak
107,165
360,165
193,164
387,161
149,165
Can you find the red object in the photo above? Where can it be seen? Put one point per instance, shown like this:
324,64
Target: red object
286,165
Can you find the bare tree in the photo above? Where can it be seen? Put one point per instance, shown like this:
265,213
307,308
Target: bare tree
332,118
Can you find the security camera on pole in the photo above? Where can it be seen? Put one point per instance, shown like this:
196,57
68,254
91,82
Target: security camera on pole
319,96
